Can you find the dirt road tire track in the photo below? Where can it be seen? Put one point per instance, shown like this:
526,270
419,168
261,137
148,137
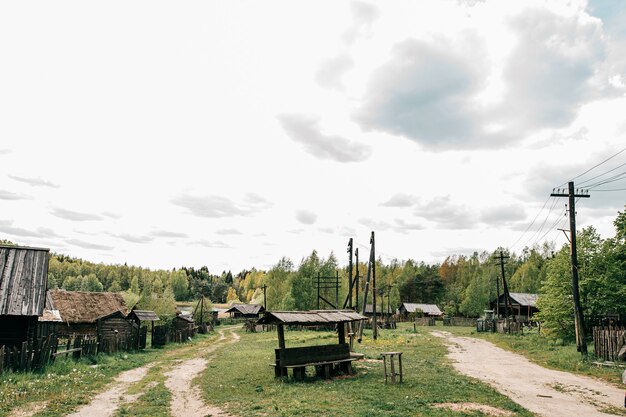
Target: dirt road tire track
186,397
545,392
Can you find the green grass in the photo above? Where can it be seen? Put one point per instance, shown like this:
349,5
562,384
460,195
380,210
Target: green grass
241,380
67,384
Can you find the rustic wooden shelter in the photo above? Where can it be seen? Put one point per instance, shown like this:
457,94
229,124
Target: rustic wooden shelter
327,359
183,327
245,311
524,305
429,310
90,313
138,317
23,282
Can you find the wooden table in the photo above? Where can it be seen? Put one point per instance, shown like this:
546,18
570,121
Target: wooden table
391,356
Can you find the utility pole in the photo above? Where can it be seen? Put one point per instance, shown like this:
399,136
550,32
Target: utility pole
356,278
507,300
350,282
373,262
579,319
264,297
497,297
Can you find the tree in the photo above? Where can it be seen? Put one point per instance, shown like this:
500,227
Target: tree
180,285
91,283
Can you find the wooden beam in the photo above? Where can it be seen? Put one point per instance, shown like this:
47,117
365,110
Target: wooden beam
281,336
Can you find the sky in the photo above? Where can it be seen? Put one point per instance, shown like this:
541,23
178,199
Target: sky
234,133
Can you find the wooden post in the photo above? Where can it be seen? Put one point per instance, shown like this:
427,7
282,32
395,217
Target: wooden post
341,330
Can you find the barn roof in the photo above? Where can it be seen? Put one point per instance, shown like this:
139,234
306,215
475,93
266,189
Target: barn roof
145,315
424,308
313,317
186,317
87,307
23,280
246,308
524,299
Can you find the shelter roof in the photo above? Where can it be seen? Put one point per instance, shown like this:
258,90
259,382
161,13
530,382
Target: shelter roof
186,317
246,308
313,317
23,280
145,315
425,308
524,299
87,307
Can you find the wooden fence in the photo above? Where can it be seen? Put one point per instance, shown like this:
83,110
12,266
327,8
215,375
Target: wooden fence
31,355
607,341
509,326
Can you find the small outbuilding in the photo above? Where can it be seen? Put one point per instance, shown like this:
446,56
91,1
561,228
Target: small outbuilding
369,310
139,317
90,313
524,305
327,359
23,282
428,310
245,311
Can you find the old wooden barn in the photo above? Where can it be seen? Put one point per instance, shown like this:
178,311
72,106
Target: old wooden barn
23,281
245,311
524,305
428,310
90,313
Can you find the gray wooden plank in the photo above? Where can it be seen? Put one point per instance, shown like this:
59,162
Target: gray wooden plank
6,281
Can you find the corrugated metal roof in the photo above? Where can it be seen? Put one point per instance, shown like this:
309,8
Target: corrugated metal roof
311,317
23,280
246,308
525,299
145,315
425,308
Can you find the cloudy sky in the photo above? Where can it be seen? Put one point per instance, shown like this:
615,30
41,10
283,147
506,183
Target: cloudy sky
233,133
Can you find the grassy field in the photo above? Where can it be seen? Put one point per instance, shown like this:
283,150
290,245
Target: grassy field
239,378
242,381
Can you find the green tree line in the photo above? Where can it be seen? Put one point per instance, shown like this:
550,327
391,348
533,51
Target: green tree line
460,285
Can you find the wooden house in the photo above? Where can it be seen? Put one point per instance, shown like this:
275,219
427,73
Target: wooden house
524,305
428,310
90,313
23,282
245,311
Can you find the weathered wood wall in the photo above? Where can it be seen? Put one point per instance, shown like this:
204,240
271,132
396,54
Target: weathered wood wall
23,280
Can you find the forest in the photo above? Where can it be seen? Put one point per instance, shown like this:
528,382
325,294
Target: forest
461,285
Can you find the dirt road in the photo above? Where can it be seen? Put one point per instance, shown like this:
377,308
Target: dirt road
545,392
186,397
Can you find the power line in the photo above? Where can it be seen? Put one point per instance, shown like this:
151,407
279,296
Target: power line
615,189
616,177
600,175
531,223
595,166
543,223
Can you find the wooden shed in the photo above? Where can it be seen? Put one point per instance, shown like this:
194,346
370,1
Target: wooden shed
183,327
23,282
429,310
327,359
90,313
245,311
524,305
139,317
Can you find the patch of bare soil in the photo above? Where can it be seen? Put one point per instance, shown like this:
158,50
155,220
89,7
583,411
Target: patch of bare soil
28,410
186,397
545,392
107,402
485,409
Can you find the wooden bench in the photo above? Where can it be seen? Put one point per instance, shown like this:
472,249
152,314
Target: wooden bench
325,359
